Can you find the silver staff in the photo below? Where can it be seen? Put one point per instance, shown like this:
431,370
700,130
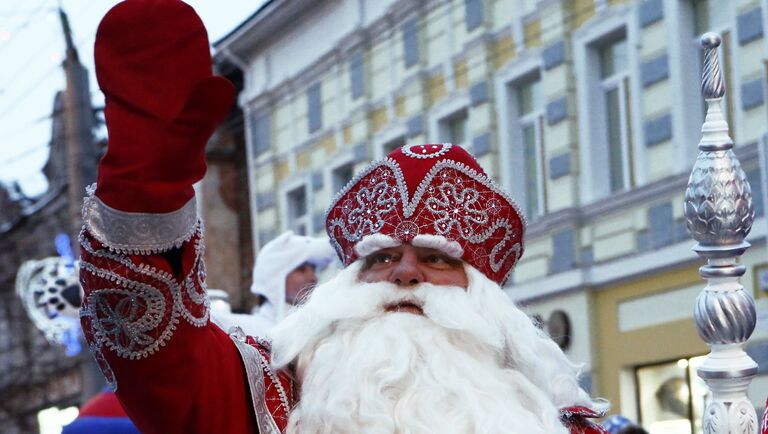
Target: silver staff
719,215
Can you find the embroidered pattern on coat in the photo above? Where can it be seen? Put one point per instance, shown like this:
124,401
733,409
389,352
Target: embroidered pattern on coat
452,200
134,309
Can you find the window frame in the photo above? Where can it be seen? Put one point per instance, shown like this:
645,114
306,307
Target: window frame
286,220
314,94
592,123
338,162
521,121
446,124
618,81
510,164
390,134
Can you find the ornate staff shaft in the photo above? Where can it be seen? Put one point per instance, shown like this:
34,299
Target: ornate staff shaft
719,215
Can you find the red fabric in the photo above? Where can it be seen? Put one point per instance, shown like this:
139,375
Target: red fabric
451,196
272,399
195,383
104,404
153,64
580,420
765,418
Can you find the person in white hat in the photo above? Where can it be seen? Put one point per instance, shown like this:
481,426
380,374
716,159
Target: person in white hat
284,274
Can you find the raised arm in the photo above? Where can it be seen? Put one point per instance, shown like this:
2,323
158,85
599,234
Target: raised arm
145,312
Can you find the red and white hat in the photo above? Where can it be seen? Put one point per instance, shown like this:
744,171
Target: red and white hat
433,195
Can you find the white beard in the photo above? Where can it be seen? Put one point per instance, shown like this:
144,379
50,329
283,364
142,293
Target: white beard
474,363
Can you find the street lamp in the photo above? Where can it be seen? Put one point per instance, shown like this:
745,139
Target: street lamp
719,215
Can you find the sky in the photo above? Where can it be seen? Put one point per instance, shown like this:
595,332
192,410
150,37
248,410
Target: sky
31,52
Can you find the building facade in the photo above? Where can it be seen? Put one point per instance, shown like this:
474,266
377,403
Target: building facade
587,111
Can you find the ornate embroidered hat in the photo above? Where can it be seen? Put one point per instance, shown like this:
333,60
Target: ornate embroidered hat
432,195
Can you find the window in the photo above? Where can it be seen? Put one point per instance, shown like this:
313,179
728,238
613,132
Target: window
474,13
314,108
530,111
392,145
705,18
357,75
297,210
672,396
614,85
700,9
260,133
340,176
410,42
453,129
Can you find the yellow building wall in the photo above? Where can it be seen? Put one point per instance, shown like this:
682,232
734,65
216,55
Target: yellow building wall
616,351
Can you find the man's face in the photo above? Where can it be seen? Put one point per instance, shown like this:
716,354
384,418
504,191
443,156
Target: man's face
299,281
407,266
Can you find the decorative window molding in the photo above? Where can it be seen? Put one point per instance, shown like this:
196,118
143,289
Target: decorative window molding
357,74
749,26
473,16
752,93
340,172
606,93
553,55
481,145
296,206
654,70
650,11
478,93
260,132
658,130
449,121
410,42
391,138
314,108
513,124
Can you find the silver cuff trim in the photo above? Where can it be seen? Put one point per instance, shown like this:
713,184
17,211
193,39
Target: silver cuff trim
138,233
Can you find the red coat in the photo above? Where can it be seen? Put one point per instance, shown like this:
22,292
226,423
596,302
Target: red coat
146,319
765,418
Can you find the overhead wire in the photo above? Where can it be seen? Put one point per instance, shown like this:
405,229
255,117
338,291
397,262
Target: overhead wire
42,78
239,119
24,24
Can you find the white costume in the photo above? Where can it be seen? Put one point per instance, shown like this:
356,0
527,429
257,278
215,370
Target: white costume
275,260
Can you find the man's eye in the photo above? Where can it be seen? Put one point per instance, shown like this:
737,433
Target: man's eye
436,259
381,258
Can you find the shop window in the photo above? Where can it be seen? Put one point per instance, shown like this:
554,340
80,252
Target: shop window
672,397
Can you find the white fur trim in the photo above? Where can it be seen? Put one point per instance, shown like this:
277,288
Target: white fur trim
438,242
373,242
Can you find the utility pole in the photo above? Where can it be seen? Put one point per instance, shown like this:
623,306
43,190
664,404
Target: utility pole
81,161
81,153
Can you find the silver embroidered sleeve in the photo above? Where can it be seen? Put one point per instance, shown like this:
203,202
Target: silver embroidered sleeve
138,233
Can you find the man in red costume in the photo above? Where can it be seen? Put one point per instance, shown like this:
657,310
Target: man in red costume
414,336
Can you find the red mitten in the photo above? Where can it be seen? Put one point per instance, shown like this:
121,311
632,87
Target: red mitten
153,64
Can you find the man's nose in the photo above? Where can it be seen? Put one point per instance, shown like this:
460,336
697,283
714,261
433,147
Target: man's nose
406,272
